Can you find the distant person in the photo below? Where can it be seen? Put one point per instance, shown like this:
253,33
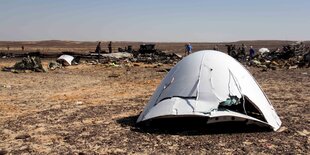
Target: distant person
98,50
252,53
215,48
110,47
231,50
302,46
243,48
8,47
188,49
228,49
242,52
23,48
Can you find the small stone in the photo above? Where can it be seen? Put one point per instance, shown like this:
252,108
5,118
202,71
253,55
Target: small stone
283,128
79,102
262,140
293,67
22,136
247,143
7,86
24,148
113,75
303,132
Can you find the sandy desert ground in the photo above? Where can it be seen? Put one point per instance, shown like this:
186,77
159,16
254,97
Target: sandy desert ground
92,109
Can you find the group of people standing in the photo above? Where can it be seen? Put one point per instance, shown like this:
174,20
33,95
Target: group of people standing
240,53
98,47
231,50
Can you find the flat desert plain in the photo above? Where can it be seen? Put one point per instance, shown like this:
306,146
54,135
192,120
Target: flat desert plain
92,109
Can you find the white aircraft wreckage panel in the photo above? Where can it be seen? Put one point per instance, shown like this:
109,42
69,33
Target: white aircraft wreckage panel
67,59
263,50
214,85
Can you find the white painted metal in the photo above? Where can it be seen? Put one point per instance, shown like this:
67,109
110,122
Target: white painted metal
67,58
197,85
263,50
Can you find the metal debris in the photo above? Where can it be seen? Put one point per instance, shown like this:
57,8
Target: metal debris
54,65
31,63
290,57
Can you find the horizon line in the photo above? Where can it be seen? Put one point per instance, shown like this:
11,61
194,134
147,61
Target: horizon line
259,40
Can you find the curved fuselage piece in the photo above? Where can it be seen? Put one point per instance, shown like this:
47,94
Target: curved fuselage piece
211,84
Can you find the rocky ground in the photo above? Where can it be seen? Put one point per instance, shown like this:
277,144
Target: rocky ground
92,109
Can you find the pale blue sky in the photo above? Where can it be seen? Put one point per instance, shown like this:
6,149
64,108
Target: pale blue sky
155,20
